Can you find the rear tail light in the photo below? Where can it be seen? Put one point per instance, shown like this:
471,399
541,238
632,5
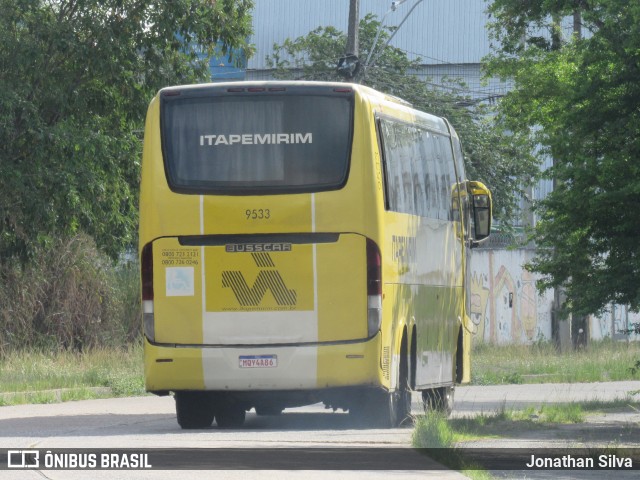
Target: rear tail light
374,288
146,267
147,272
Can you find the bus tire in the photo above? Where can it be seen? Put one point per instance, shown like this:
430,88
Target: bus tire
230,415
383,409
372,410
386,409
399,407
263,410
400,399
194,409
438,399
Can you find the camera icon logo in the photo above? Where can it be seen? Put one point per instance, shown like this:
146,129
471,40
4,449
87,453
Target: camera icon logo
23,459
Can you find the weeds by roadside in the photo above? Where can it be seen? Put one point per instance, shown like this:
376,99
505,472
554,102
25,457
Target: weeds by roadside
504,421
69,296
435,433
48,377
541,362
443,439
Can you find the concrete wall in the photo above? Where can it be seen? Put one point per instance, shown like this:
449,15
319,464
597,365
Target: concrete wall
507,308
611,323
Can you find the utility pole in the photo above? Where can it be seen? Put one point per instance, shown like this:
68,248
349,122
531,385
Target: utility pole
352,35
349,65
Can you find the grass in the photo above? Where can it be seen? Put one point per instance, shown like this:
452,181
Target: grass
434,432
48,377
542,363
442,436
514,364
503,422
37,376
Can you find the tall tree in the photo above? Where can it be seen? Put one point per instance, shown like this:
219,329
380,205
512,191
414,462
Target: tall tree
502,162
76,77
580,96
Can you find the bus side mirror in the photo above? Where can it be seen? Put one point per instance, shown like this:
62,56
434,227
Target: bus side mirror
481,211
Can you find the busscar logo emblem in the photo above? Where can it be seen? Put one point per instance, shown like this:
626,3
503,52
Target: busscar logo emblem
257,247
268,279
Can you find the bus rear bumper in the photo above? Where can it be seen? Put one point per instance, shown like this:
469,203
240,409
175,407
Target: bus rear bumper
265,368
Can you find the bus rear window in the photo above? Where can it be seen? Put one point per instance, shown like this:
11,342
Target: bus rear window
256,144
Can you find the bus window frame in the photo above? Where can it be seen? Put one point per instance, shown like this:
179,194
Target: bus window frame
209,92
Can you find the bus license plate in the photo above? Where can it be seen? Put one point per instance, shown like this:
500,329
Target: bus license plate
258,361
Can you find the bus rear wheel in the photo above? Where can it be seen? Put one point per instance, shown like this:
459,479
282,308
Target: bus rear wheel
400,406
194,409
388,409
400,399
382,409
230,415
268,409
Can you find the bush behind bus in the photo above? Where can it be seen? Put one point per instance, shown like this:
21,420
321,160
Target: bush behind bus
68,296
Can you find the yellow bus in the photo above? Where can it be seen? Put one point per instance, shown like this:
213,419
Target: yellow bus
303,242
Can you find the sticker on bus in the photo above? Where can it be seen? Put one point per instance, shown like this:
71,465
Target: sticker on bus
258,361
180,281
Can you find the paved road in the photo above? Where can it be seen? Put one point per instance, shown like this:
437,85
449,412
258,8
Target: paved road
149,422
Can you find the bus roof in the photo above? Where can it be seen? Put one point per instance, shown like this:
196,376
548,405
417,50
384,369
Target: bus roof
387,103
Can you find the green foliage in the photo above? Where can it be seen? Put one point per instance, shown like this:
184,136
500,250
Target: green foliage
580,96
438,436
433,431
501,161
77,76
561,413
504,422
126,384
70,296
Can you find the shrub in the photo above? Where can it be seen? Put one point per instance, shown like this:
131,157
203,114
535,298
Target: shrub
68,296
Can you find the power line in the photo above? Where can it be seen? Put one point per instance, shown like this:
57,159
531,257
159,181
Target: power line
393,7
438,101
442,62
453,88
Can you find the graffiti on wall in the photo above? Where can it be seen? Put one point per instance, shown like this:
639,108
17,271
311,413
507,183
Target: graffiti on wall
505,306
617,322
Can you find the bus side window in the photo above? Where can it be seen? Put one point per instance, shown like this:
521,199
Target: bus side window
397,159
462,187
383,166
